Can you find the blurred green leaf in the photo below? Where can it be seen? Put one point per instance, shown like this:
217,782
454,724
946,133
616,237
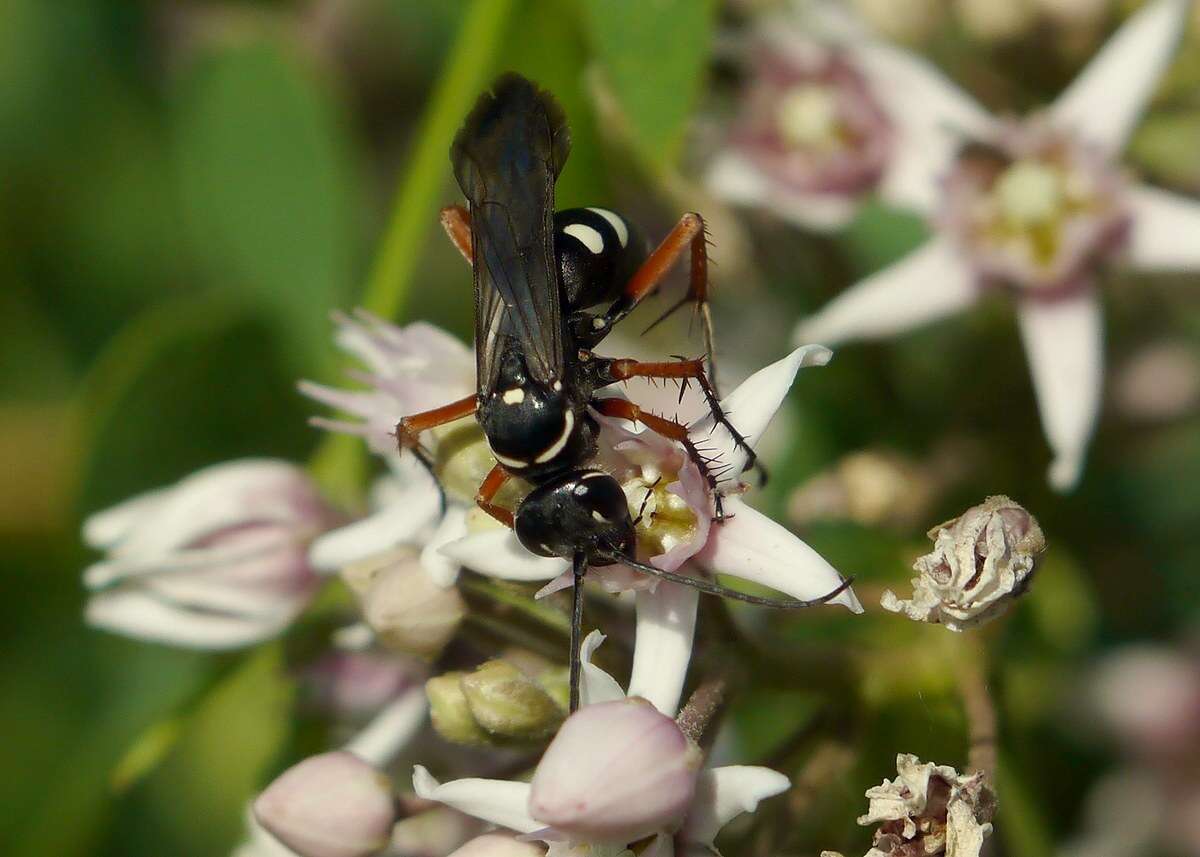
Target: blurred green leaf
1062,603
265,178
1166,145
879,235
654,53
414,210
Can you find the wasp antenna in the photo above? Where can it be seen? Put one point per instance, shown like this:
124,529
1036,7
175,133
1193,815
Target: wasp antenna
712,588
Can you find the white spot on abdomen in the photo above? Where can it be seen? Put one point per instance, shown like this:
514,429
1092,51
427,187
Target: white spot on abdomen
514,396
587,236
616,222
557,447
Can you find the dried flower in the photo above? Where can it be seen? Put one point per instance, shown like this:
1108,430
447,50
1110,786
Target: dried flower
331,805
929,810
217,561
981,561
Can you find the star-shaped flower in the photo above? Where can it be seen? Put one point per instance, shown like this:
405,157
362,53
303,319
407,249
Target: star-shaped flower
1037,206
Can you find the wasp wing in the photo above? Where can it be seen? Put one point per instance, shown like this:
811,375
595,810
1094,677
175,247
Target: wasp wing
506,159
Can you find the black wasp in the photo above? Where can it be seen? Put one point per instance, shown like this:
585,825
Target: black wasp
548,288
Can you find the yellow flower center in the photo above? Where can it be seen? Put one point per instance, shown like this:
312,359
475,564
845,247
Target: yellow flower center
1030,193
663,519
807,117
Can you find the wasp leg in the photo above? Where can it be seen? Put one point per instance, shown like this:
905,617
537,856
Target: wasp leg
491,486
408,430
457,223
684,370
626,410
689,233
579,567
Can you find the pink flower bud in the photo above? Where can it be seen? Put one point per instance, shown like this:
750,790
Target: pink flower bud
217,561
331,805
499,845
616,771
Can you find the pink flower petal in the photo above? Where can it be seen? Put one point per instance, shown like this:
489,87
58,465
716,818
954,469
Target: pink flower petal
1064,341
930,283
499,801
733,177
1105,101
932,117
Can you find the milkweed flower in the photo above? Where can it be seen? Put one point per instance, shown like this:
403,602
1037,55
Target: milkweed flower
981,562
619,771
1037,206
216,561
929,810
673,505
812,139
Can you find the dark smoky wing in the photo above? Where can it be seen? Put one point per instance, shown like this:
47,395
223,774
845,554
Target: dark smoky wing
506,159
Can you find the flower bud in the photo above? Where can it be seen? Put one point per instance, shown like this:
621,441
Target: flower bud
331,805
499,845
404,607
450,712
509,704
616,772
495,704
981,561
218,561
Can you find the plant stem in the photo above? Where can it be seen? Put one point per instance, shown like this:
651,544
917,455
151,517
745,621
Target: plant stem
980,709
413,212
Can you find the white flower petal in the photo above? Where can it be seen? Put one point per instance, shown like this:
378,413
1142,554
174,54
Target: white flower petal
107,528
1165,231
595,685
1104,102
734,178
391,730
441,569
753,547
135,613
497,553
666,624
408,508
722,794
928,284
1064,341
752,406
499,801
932,117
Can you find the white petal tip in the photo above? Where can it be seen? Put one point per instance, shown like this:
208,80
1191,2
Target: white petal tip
424,783
1064,473
850,601
815,355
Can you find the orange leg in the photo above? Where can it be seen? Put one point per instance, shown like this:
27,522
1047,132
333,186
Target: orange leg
409,429
457,223
684,370
626,410
491,485
689,233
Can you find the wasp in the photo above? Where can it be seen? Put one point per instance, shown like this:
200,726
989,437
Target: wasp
549,287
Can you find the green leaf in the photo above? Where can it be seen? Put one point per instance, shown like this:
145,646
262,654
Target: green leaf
265,181
653,53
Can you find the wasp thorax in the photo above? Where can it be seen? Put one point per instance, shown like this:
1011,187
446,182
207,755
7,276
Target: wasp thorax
582,511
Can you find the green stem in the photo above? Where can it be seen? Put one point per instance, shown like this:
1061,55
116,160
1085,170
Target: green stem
339,462
519,602
413,213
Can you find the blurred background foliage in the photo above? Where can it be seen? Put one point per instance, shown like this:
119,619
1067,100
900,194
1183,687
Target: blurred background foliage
191,187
